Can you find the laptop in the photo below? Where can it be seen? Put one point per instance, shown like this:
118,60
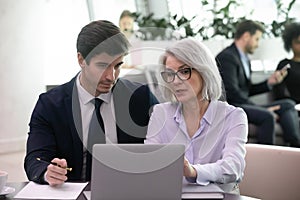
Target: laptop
137,171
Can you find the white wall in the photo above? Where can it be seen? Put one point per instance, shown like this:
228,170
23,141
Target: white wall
63,21
21,67
38,41
112,9
265,57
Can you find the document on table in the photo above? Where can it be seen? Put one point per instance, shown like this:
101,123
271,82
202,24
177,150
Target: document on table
87,194
67,190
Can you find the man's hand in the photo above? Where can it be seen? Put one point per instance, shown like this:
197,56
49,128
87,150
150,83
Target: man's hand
278,76
56,174
189,170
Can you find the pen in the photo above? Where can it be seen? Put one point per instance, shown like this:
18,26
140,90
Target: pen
67,168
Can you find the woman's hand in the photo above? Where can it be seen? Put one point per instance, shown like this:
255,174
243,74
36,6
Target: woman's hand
188,170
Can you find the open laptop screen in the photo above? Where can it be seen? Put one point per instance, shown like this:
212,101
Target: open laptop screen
137,171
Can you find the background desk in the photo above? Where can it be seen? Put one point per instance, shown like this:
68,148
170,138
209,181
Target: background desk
19,186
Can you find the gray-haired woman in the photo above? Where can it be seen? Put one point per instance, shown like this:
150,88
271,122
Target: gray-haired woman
213,132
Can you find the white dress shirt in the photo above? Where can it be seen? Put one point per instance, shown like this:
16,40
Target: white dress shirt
245,60
107,111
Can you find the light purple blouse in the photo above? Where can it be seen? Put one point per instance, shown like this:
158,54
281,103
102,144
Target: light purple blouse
216,151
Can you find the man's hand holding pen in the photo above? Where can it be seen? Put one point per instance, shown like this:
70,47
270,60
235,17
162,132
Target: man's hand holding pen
56,172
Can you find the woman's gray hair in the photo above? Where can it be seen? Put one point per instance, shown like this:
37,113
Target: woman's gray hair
196,55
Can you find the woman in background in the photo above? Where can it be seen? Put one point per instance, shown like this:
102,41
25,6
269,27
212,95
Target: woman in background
213,132
289,87
126,23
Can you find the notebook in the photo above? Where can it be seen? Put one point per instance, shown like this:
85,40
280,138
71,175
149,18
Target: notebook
137,171
194,191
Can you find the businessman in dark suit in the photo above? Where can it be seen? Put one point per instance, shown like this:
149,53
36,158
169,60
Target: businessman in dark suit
235,69
59,125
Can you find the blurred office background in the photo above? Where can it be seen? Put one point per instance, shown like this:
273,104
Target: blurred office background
38,49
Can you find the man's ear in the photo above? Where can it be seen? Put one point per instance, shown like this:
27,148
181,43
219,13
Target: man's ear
81,60
246,36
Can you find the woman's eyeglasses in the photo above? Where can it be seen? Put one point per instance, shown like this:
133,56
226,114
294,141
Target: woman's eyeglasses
183,74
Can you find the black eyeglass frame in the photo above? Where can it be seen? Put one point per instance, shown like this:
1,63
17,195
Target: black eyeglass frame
176,73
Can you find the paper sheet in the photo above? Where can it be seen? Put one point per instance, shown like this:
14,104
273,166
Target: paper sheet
37,191
87,194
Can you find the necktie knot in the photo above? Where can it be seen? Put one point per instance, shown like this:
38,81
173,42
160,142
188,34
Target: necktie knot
97,102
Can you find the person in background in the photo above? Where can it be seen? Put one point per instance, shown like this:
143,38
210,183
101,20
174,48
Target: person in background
235,69
213,132
60,122
289,87
126,22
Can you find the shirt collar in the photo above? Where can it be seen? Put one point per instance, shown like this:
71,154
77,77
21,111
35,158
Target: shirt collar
208,115
243,55
178,113
86,97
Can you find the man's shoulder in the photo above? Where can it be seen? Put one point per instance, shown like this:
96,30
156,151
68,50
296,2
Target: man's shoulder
228,55
166,108
125,84
128,83
59,92
167,105
229,50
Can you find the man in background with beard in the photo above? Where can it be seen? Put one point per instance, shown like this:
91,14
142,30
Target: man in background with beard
235,69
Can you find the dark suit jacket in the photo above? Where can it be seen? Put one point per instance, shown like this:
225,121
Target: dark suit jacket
238,87
289,87
55,125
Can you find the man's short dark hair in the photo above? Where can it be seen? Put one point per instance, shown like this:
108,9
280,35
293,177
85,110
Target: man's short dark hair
248,26
291,32
101,37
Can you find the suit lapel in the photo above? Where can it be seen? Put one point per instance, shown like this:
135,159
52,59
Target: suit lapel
74,118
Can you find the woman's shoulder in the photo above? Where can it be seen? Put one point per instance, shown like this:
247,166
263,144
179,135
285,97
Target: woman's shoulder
166,105
231,114
165,110
283,63
228,107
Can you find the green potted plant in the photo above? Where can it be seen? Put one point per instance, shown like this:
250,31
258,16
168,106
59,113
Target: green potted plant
222,25
151,28
277,26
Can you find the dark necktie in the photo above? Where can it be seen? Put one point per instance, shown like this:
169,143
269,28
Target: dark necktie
96,135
